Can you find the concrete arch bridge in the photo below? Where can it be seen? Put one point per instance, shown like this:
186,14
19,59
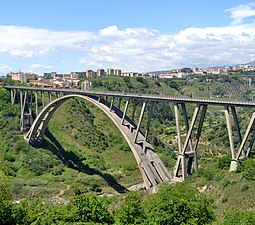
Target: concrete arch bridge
151,167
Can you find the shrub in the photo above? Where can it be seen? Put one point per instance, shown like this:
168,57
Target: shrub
131,211
244,187
207,173
91,209
179,204
236,218
6,213
247,167
224,162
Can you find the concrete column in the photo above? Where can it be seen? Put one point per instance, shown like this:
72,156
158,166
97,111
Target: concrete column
184,112
43,99
140,121
50,96
230,133
177,121
250,145
125,111
133,110
233,165
200,125
111,105
233,110
23,100
148,121
21,111
120,100
36,103
182,161
13,96
195,114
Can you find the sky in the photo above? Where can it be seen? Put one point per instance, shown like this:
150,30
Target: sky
132,35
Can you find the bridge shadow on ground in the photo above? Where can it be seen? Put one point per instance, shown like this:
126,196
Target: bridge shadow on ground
73,161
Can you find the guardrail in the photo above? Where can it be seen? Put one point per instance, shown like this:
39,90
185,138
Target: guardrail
151,97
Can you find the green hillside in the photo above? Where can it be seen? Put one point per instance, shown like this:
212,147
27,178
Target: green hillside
84,153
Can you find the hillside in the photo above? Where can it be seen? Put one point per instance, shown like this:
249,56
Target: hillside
85,153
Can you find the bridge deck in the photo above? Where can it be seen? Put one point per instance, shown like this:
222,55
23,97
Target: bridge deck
150,97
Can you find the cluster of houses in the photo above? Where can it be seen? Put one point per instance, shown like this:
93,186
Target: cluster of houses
179,73
72,79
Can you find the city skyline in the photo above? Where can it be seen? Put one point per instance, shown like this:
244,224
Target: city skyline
142,36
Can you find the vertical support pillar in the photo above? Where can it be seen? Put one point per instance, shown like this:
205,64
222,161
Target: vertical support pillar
177,120
30,104
13,96
233,165
230,134
181,160
36,103
120,100
250,145
133,110
200,125
140,121
21,111
23,100
43,99
111,105
191,127
184,112
125,112
233,110
50,96
148,121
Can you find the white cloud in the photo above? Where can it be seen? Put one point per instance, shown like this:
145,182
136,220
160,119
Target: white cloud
27,42
190,47
4,69
138,49
241,12
35,68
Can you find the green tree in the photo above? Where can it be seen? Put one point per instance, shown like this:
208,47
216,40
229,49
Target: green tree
90,209
178,204
131,211
247,167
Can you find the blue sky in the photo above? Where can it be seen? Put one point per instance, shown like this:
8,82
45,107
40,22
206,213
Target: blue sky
64,36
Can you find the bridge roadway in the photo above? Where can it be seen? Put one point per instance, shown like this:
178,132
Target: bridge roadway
152,169
149,97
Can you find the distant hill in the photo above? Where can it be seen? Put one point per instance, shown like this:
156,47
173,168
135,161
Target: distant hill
252,63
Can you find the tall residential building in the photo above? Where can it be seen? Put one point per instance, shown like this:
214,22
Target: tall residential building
110,72
50,75
100,72
22,77
89,73
117,72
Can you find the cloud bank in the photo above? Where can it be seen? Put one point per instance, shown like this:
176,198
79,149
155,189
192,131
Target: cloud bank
138,49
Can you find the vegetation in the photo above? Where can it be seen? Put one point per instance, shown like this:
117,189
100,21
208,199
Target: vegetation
74,177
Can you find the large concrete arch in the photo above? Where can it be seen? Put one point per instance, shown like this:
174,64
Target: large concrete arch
152,169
